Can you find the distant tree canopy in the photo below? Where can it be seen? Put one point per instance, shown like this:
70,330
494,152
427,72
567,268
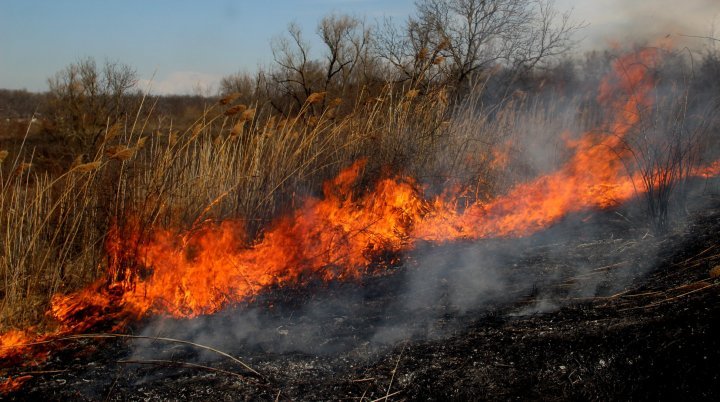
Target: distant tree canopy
83,99
447,43
505,46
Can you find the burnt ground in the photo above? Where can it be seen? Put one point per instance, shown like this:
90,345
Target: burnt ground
610,312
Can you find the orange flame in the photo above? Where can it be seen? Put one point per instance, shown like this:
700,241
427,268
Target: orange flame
711,170
594,177
13,384
343,235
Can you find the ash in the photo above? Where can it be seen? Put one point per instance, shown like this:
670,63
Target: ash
594,307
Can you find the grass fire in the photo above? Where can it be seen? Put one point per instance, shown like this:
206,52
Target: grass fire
430,210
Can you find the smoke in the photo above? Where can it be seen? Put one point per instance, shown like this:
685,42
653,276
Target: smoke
438,292
645,21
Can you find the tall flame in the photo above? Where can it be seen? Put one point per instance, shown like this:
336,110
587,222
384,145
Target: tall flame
343,235
594,176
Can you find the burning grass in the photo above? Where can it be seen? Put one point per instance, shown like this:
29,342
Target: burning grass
149,226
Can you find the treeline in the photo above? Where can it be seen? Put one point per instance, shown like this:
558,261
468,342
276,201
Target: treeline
468,51
448,44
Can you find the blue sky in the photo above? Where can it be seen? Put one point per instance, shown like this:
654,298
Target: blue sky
189,42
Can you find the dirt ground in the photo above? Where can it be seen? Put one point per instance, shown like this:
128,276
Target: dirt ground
652,336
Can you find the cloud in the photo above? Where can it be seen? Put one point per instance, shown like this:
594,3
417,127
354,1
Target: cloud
182,83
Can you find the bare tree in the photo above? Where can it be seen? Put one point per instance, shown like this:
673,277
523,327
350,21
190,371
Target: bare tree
472,36
410,51
346,40
84,99
295,72
343,61
247,88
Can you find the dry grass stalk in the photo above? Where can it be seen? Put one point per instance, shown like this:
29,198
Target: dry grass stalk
77,162
196,130
422,54
227,99
316,97
120,152
237,128
3,155
21,168
248,115
112,132
235,110
173,138
87,167
335,102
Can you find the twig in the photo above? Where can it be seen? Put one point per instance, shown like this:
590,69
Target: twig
653,293
156,338
362,398
397,363
657,303
179,363
112,387
607,267
364,379
384,398
42,372
700,37
696,256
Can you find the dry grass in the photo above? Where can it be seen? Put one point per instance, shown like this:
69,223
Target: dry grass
234,161
238,161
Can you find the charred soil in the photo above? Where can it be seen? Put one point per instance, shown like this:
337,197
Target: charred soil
645,329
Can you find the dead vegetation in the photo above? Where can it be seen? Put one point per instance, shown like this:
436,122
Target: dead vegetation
441,115
243,161
653,338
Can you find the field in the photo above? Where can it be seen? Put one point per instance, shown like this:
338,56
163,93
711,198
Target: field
543,237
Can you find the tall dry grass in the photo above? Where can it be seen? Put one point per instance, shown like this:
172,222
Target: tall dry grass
233,161
239,161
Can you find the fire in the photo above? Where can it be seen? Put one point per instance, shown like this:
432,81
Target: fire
594,176
711,170
345,235
334,237
14,339
13,384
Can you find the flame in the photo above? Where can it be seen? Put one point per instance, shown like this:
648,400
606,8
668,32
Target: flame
15,339
709,171
594,176
13,384
334,237
344,235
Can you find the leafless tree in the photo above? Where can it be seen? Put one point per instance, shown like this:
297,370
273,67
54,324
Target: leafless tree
294,73
346,40
340,67
84,99
249,88
472,36
667,143
411,52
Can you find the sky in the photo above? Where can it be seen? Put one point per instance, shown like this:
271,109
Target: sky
185,45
